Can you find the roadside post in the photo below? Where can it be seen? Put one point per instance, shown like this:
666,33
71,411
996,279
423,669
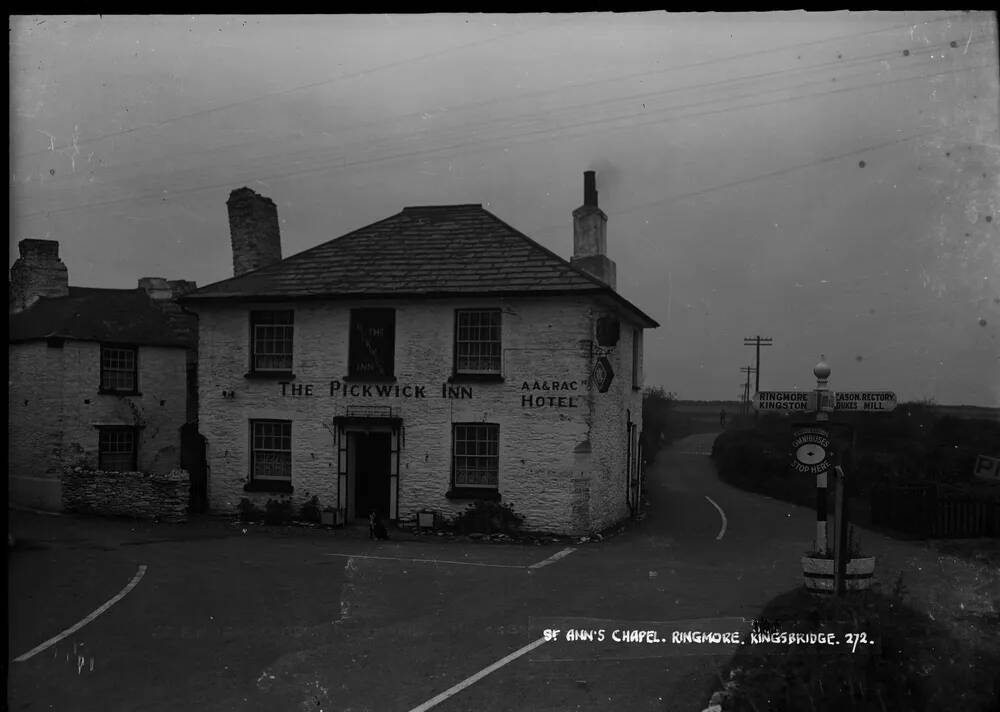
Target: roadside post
840,552
824,404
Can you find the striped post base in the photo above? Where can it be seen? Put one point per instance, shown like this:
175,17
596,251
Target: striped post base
818,574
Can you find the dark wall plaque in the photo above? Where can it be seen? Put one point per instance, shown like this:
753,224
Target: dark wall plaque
373,343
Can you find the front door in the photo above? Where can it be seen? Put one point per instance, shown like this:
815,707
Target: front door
371,469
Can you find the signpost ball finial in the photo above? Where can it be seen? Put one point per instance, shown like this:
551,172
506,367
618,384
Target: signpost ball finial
821,369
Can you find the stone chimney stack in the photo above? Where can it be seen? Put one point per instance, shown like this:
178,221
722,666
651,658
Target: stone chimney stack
161,289
590,241
38,272
253,228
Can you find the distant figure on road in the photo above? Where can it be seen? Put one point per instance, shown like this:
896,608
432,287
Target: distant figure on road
722,418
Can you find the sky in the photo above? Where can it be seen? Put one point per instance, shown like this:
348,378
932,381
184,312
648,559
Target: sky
828,180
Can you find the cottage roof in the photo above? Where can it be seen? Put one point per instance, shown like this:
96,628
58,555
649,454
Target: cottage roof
108,315
430,251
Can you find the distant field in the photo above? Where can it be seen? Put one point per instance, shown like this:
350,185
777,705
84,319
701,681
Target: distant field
701,408
969,411
704,410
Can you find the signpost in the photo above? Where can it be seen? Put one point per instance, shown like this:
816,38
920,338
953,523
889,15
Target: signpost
883,401
792,400
987,468
811,445
784,400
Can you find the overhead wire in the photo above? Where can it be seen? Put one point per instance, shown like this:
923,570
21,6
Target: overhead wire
650,114
268,95
504,121
430,151
491,101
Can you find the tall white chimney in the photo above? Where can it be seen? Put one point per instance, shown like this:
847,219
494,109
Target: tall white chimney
590,241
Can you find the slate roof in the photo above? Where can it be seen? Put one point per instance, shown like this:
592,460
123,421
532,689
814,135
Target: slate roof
445,250
108,315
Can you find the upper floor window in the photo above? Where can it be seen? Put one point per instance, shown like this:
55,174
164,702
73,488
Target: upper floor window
271,340
116,451
373,344
476,454
477,341
636,358
119,369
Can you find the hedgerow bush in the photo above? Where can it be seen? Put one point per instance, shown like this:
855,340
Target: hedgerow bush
309,511
248,511
278,511
488,517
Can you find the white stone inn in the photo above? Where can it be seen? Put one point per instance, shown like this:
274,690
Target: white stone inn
428,360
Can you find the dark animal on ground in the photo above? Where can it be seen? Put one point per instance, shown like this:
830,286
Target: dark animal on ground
376,529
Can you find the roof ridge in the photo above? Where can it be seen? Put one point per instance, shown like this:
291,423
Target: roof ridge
551,253
444,207
297,255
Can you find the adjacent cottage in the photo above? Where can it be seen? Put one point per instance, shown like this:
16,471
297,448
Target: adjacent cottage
431,359
101,380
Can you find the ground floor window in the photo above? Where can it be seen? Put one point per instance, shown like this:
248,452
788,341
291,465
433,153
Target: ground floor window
116,451
271,451
476,454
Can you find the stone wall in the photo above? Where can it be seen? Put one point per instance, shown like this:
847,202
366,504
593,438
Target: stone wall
132,494
55,408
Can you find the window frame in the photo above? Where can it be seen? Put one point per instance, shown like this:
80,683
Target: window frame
466,373
268,318
352,346
276,484
133,349
474,488
133,454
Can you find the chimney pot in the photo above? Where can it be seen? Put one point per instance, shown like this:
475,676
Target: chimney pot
590,188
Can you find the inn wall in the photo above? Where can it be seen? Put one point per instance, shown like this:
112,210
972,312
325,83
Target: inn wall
562,451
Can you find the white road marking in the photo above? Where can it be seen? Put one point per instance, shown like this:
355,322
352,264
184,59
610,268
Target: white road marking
477,677
722,532
431,561
554,558
347,588
69,631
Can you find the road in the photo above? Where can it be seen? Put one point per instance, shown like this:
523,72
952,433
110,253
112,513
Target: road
224,618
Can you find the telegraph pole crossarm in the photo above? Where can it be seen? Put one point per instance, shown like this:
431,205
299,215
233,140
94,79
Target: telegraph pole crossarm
758,341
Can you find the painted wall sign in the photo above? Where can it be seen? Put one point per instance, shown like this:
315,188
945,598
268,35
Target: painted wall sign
533,401
372,343
340,389
533,394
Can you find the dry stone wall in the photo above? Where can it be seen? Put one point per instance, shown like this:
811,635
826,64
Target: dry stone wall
132,494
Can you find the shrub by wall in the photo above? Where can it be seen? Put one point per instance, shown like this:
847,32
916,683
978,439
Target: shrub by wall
129,494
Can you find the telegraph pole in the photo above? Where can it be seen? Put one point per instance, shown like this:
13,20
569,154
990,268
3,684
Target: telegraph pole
758,341
746,389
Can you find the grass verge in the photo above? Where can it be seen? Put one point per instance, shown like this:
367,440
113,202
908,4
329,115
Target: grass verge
916,664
